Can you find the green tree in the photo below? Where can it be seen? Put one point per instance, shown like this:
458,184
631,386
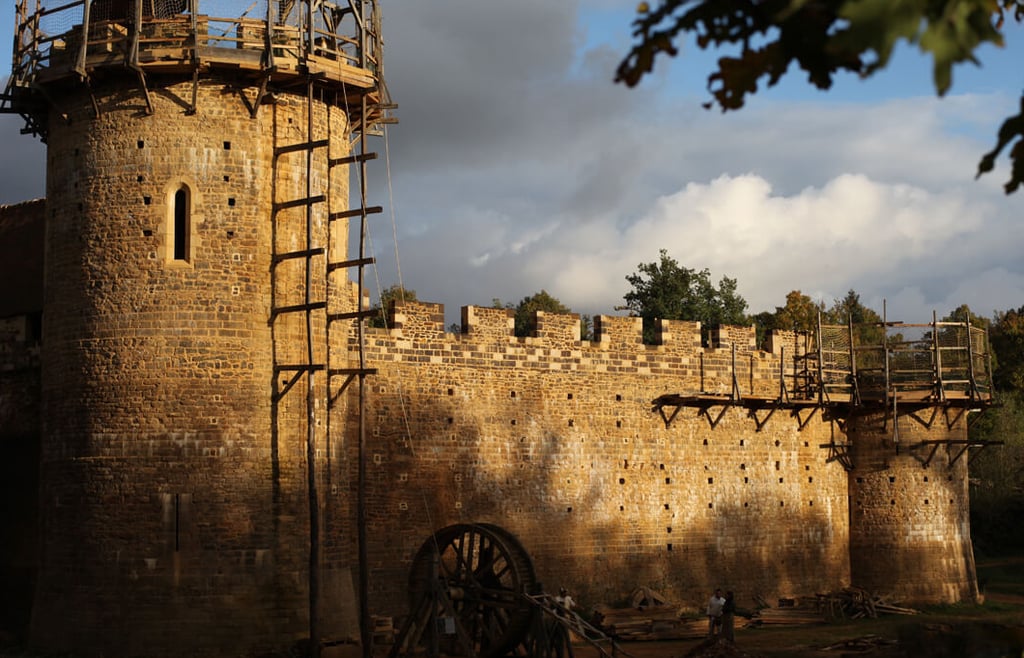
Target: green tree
997,472
800,312
389,294
997,476
666,290
850,309
538,301
824,37
868,328
1007,342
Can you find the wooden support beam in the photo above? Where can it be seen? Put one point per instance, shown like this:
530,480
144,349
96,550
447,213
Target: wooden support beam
802,422
353,315
759,424
301,146
717,419
355,212
926,423
298,307
668,418
351,159
298,203
304,253
355,262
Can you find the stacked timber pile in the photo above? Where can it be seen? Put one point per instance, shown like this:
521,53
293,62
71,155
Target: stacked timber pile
790,612
856,603
649,617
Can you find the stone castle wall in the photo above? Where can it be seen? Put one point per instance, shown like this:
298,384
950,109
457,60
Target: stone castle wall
555,439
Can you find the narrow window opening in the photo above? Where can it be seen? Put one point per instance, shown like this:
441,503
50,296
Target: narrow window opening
182,219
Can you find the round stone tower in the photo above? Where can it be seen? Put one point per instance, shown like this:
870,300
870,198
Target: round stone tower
909,507
197,196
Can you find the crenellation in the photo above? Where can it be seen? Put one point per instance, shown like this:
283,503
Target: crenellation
416,320
487,324
788,342
677,336
558,330
613,333
727,336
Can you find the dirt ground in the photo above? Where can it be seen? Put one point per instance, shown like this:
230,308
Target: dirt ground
931,636
992,629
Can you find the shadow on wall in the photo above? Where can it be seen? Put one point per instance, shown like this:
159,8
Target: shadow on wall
19,484
487,456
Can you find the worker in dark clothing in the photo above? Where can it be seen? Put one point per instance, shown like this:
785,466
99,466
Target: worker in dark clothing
729,617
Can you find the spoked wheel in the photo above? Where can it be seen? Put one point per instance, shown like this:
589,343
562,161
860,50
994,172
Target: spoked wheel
481,572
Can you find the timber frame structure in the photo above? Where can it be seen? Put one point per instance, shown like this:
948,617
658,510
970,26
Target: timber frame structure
336,45
934,372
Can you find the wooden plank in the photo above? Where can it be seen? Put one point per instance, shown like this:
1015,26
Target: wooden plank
340,71
247,59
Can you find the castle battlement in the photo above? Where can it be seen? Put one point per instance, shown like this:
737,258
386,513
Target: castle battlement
617,345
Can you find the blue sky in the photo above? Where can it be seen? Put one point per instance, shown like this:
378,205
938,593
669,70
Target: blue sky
518,166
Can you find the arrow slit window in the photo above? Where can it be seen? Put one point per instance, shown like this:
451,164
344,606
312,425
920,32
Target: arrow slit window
181,224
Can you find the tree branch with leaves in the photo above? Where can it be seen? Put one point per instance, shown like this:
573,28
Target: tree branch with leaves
823,37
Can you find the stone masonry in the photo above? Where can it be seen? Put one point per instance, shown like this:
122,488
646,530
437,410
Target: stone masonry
554,439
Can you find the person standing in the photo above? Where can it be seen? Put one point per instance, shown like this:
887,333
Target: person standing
715,605
563,599
729,617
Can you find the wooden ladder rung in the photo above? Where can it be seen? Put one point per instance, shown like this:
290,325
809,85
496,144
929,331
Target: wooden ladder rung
356,212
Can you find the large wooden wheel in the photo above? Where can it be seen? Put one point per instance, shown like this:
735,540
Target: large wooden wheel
479,573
